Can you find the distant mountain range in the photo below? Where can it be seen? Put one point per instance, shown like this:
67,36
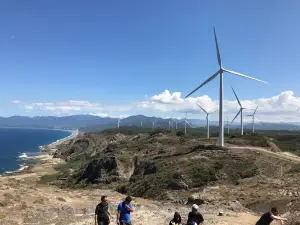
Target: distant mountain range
95,123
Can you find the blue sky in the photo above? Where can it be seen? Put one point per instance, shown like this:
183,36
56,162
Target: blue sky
114,53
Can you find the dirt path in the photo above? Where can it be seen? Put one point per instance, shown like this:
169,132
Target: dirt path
281,155
26,202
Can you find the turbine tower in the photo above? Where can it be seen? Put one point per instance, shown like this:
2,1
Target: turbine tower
253,119
141,123
239,112
221,72
207,119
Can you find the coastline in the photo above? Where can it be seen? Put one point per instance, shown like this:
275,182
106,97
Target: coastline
47,157
52,146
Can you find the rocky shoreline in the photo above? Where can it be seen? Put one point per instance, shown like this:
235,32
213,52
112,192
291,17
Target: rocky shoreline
29,162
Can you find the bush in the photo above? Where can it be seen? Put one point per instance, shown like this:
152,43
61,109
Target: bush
180,133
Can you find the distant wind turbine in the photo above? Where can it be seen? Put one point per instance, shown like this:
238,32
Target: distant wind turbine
220,72
253,119
141,123
227,125
207,119
153,124
239,112
170,124
119,122
186,123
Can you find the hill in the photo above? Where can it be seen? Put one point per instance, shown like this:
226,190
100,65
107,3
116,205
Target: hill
90,123
162,166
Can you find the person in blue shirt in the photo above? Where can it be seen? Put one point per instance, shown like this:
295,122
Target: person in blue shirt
124,210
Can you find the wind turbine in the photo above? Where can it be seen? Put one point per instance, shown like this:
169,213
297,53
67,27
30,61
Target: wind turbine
227,125
221,72
207,119
185,123
239,112
141,123
253,119
119,122
170,124
153,124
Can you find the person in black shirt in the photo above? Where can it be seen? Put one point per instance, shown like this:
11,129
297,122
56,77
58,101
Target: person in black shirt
176,219
101,213
195,217
268,217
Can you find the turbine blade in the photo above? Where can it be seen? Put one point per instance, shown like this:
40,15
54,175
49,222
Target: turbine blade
257,120
202,108
242,75
236,116
208,80
218,51
255,110
236,97
188,123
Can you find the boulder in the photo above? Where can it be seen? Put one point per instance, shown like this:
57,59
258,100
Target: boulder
98,170
177,185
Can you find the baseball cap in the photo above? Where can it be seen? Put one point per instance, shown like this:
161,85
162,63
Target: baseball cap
195,206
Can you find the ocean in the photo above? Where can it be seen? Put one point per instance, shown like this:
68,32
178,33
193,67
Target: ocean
18,143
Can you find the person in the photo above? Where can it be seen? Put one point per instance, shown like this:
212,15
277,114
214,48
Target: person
176,219
268,217
101,213
124,210
195,217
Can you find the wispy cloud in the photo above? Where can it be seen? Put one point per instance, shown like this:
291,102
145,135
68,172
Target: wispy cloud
71,106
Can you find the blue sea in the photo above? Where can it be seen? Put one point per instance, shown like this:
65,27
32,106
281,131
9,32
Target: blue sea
17,143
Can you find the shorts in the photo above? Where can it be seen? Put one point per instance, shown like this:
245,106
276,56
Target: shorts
103,222
124,223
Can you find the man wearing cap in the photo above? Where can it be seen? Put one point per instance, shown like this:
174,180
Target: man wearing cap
195,217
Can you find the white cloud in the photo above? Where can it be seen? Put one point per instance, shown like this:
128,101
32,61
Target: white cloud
282,107
108,115
100,114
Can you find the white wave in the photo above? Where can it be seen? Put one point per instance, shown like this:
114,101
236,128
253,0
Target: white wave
22,168
23,155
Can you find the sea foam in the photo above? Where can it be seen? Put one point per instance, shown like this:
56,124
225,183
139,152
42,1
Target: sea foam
23,155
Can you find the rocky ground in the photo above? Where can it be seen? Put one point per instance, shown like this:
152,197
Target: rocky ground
23,201
246,182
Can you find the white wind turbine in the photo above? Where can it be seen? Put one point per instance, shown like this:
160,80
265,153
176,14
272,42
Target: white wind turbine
170,124
239,112
153,124
220,72
227,125
141,123
253,119
119,122
186,123
207,119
